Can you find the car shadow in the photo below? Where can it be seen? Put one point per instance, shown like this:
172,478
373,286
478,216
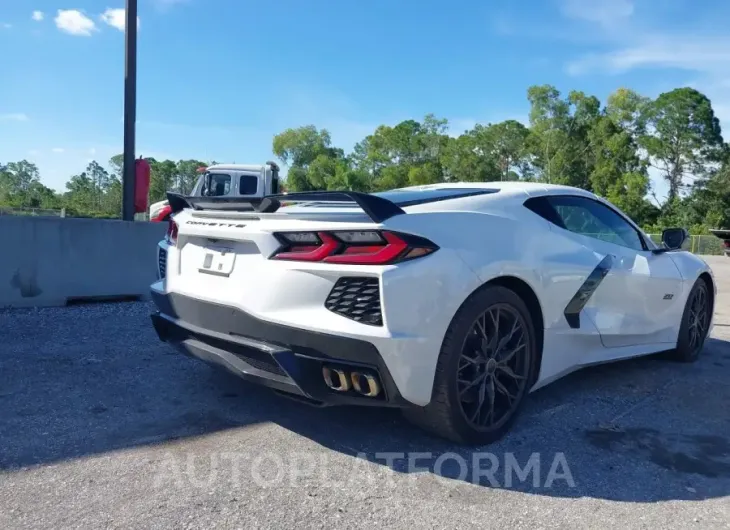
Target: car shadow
642,430
80,382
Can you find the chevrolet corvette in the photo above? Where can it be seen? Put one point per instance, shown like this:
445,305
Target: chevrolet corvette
451,302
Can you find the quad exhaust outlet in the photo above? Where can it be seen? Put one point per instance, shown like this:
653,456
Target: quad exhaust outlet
340,381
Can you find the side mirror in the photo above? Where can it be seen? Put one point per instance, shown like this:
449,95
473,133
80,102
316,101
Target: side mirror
674,238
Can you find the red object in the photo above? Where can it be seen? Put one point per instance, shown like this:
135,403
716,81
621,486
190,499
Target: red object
163,214
353,248
141,185
171,232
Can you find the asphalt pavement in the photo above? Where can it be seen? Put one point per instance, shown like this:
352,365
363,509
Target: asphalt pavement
102,426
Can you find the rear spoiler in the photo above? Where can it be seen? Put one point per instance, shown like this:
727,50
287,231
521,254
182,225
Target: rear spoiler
723,234
377,208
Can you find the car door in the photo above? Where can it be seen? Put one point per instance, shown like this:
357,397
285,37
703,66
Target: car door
634,297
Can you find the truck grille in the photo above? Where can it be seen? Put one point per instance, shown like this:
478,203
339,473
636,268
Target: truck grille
357,298
161,262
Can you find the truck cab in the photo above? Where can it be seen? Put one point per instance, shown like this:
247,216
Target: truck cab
248,181
238,180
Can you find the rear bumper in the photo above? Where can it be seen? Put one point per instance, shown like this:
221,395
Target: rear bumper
283,358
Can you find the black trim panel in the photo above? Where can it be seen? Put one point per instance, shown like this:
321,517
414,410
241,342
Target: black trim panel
377,208
226,336
475,193
581,297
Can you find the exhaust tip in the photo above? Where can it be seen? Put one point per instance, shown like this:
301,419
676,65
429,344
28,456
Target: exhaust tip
365,384
360,382
335,379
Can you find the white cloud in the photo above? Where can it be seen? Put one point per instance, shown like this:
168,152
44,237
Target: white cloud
604,12
5,25
635,43
16,116
37,16
92,151
685,52
74,22
706,57
58,150
116,18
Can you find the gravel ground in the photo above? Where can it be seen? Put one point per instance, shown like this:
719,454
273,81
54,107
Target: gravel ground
103,426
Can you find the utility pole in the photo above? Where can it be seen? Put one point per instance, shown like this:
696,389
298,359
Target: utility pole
130,110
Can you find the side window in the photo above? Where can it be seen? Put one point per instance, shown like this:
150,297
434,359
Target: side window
593,219
220,184
248,185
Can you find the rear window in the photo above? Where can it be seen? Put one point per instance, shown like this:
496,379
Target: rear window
406,197
248,185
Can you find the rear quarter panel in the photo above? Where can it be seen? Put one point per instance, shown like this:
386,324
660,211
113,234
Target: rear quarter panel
514,243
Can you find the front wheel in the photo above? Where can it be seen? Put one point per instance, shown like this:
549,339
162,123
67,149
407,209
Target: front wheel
486,364
695,324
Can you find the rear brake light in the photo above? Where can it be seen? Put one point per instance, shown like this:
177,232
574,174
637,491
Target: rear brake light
369,247
171,234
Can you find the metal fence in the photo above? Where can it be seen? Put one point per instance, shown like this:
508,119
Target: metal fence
33,211
699,244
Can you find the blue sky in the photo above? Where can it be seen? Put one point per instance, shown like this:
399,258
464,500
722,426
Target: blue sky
218,78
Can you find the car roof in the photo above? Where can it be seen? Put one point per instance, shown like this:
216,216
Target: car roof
504,195
507,186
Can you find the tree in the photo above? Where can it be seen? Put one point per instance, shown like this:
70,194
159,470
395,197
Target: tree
618,173
571,139
559,135
492,152
17,179
409,153
80,196
628,110
101,182
684,137
300,147
163,178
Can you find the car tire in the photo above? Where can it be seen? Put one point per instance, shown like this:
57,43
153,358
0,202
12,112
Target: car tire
695,324
450,413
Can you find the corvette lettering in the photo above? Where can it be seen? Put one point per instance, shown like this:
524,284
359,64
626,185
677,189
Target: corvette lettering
223,225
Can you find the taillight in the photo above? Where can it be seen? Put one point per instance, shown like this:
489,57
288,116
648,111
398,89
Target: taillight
171,234
351,247
726,243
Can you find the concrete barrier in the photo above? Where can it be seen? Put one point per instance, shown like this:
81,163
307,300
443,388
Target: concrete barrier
49,261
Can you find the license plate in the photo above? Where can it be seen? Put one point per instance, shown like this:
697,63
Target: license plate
218,261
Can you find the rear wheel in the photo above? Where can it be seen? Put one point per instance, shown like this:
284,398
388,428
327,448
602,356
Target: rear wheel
487,362
695,324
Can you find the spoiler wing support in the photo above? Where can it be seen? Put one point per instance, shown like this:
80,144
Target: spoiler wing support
377,208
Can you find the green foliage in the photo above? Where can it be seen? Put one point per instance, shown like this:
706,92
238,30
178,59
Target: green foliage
95,192
684,136
571,139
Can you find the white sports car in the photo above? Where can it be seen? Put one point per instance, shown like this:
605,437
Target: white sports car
450,301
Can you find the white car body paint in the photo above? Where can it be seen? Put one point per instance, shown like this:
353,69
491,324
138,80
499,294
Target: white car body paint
636,310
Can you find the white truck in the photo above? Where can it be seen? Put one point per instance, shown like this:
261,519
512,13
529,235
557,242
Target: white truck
243,181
